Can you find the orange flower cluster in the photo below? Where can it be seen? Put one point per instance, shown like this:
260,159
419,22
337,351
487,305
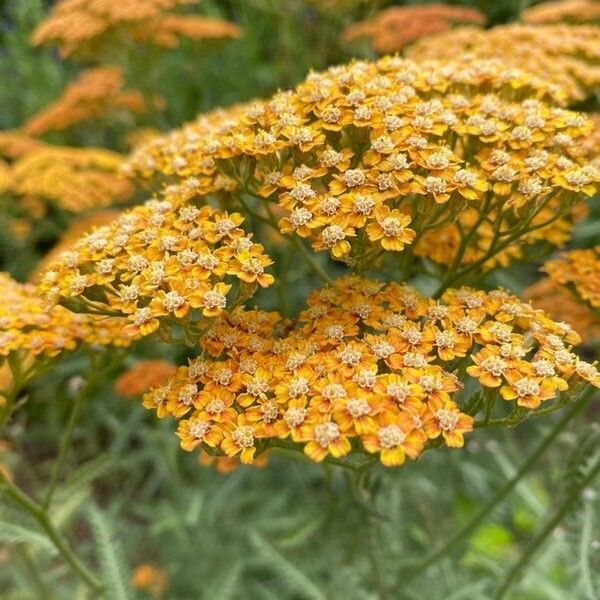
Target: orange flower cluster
30,325
393,28
366,366
579,272
369,156
160,264
151,579
75,179
90,27
95,94
576,11
566,55
561,305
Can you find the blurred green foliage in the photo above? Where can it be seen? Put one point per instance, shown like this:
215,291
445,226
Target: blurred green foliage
291,530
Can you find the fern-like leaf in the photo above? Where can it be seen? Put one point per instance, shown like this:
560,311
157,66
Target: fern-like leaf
282,568
109,553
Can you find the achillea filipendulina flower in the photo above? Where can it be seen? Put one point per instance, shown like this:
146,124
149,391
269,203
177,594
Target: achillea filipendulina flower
91,27
366,364
576,11
563,306
75,179
31,326
374,156
566,55
142,376
151,579
95,94
393,28
160,263
579,272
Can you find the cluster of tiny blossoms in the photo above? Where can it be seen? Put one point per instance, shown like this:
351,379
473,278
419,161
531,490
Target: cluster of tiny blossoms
89,27
579,272
393,28
366,366
157,263
566,55
370,156
30,325
95,94
75,179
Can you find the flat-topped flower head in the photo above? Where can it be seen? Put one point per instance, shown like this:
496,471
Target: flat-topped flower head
339,379
89,28
371,157
159,263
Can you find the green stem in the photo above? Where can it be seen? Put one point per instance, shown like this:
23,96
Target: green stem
41,516
64,447
535,543
468,529
364,500
452,277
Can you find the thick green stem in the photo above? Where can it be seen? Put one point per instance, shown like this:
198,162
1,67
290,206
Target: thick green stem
467,530
533,546
41,516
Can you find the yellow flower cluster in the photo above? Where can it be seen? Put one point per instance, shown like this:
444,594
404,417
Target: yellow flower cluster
75,179
366,366
31,326
561,305
159,263
393,28
90,27
579,272
576,11
95,94
566,55
369,156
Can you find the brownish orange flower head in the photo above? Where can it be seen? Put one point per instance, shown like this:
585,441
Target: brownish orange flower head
391,29
142,376
95,94
574,11
91,27
151,579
